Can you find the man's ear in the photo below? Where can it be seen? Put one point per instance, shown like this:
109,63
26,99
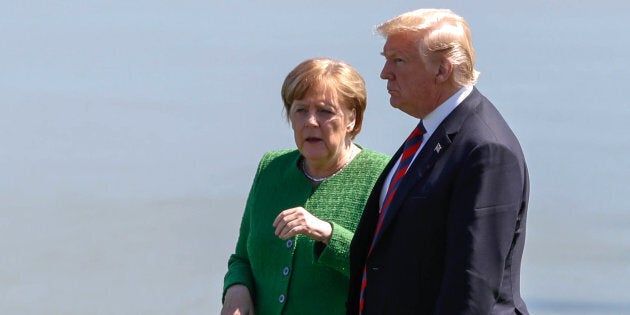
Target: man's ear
444,71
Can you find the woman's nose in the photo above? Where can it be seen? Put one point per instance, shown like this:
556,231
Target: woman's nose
311,119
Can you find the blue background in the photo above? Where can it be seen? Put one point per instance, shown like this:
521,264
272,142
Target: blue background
130,132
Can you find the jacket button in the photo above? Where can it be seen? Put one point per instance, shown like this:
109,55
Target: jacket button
281,298
289,243
285,271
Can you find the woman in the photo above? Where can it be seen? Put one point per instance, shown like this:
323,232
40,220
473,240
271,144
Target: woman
304,205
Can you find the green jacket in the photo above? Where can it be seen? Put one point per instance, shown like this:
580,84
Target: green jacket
299,275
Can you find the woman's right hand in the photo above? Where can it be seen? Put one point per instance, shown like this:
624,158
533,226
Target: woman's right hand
237,301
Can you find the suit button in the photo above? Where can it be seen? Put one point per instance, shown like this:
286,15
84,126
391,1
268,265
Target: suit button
285,271
281,298
289,243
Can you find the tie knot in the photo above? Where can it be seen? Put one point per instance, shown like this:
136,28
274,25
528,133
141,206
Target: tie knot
420,128
416,135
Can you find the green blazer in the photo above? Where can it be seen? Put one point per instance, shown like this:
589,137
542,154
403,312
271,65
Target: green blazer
299,275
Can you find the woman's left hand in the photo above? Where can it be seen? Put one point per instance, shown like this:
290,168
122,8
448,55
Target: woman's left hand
297,220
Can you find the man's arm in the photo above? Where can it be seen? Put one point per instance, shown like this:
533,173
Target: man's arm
480,228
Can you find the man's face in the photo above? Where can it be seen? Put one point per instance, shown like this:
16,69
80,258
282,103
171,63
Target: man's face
412,85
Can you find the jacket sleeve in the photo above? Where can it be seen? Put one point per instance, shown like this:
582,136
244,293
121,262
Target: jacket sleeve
335,255
481,224
239,269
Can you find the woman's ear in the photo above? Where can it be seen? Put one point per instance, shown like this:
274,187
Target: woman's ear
351,121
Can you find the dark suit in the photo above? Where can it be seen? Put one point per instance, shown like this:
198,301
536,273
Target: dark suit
453,239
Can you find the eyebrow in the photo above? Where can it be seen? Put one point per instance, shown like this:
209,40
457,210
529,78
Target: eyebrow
390,54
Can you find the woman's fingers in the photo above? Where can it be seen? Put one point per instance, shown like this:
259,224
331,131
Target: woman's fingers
290,222
298,220
281,221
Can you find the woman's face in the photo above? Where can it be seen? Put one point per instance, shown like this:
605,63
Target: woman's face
321,126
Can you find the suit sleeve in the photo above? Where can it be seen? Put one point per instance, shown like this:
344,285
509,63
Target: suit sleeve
485,203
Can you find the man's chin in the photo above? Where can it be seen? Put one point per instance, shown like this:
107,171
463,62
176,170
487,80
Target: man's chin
393,101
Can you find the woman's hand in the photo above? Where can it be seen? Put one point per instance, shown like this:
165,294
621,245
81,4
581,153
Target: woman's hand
237,301
297,220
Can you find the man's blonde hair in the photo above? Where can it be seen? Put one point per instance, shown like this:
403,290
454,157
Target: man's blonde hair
441,34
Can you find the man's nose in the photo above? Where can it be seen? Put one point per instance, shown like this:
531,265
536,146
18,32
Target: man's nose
386,74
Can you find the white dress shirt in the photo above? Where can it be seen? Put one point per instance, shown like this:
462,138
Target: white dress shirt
431,123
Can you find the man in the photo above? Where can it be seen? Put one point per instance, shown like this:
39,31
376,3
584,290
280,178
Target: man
444,233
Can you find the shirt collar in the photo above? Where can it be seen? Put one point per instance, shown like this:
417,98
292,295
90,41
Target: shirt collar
435,118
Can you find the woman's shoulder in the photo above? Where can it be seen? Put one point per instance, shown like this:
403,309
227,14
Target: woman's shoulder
279,157
270,155
374,157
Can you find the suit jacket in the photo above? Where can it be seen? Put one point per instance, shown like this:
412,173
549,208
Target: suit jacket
453,239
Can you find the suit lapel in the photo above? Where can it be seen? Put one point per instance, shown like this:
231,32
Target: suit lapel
436,146
420,168
366,228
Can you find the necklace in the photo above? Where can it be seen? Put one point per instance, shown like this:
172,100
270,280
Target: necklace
321,179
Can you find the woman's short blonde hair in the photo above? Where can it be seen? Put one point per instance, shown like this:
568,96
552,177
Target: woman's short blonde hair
441,33
346,83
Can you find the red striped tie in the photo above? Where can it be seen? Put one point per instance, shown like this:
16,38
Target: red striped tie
412,144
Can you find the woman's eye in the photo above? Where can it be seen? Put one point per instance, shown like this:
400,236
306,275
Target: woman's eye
326,111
